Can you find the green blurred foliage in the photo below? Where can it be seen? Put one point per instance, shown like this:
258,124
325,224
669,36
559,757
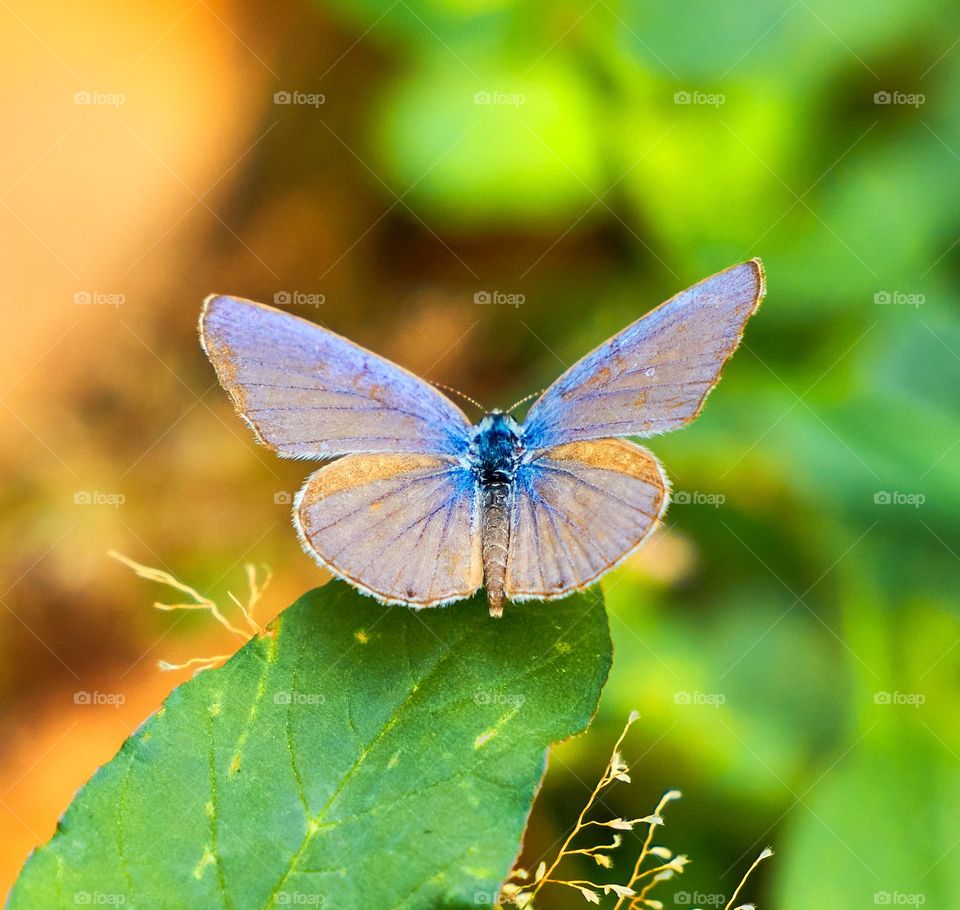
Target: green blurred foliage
814,591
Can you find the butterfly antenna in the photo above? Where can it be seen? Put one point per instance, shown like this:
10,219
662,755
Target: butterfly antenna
448,388
524,400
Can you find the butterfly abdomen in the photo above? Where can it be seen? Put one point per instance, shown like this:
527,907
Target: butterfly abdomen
495,504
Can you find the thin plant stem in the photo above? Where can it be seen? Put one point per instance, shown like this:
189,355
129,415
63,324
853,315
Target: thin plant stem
204,603
669,795
766,852
604,780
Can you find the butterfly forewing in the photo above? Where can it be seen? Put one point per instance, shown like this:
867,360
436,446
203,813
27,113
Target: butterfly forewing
655,374
579,509
309,393
400,527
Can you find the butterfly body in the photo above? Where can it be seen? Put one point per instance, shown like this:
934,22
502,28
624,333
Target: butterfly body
419,506
495,453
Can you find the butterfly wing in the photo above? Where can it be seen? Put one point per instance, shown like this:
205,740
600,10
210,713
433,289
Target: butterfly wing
399,527
655,374
309,393
578,510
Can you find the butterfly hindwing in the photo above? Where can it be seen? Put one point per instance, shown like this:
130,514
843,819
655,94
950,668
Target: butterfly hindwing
309,393
400,527
580,508
655,374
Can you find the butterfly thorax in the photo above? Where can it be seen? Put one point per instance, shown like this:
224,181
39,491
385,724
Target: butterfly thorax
496,448
495,452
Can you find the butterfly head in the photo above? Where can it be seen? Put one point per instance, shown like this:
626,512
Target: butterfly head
496,447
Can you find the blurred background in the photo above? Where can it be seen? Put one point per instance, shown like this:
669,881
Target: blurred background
483,190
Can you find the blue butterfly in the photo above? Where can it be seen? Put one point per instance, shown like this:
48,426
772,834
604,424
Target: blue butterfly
421,507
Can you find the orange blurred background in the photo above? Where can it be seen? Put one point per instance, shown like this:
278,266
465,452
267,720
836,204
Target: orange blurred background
146,167
134,202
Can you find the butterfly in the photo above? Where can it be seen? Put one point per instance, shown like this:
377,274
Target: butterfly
421,507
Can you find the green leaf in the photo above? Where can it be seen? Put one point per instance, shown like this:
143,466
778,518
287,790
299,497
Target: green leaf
364,756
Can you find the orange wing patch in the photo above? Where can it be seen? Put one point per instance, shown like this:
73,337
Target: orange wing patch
348,473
